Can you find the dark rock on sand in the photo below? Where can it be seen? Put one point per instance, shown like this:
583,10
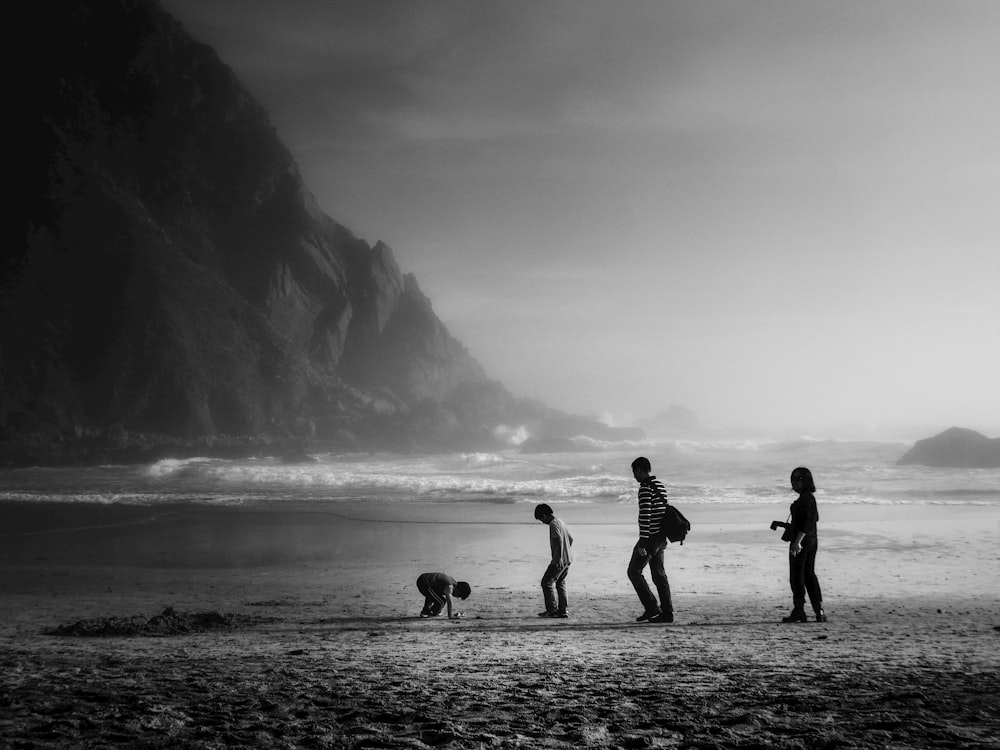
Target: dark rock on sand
168,622
955,447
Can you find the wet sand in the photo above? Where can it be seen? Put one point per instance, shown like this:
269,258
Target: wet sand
311,636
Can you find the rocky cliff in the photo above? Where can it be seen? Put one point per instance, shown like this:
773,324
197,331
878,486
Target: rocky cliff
956,447
177,285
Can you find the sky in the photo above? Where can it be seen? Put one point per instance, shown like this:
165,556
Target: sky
781,215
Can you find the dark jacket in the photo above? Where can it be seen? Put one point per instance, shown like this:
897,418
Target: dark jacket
805,515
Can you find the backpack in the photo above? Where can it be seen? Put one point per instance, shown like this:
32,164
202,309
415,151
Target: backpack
675,526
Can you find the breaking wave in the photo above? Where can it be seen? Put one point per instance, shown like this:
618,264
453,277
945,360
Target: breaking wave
694,472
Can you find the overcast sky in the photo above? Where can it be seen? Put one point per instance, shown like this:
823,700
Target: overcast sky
776,214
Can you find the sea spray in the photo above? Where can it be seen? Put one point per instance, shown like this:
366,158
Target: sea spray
705,472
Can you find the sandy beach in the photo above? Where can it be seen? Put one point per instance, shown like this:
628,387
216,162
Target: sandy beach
298,627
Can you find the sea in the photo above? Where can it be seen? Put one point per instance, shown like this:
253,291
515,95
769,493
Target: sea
694,472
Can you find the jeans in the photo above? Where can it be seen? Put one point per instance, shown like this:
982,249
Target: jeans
802,575
432,606
553,584
636,565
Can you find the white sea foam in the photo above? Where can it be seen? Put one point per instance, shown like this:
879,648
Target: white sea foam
482,459
168,466
694,472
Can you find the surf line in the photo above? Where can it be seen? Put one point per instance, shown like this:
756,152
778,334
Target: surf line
434,522
68,529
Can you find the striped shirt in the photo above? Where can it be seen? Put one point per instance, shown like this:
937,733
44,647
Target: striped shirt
652,506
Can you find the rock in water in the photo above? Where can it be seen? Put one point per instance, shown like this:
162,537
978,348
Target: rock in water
955,447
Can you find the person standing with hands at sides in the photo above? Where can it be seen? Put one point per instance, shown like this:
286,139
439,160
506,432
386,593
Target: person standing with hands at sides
554,580
802,549
650,547
438,589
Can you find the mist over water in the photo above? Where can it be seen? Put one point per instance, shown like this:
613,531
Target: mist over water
694,472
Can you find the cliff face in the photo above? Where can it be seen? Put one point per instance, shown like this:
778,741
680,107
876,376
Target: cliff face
176,277
955,447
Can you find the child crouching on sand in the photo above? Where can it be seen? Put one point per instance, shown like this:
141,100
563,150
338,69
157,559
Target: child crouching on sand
438,589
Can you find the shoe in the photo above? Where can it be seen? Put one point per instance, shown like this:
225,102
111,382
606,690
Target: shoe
648,615
821,616
797,615
561,615
546,613
663,617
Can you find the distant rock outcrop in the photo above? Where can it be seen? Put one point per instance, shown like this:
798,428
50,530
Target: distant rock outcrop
177,290
955,447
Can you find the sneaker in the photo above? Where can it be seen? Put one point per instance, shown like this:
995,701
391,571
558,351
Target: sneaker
546,613
648,615
561,615
663,617
821,616
797,615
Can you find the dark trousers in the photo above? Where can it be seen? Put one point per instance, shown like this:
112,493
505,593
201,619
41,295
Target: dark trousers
636,565
802,575
554,588
431,605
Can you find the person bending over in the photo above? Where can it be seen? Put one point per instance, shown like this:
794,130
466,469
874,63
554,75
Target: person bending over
438,590
554,580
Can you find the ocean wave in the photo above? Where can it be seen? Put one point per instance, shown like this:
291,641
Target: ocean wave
586,443
695,472
774,445
170,466
482,459
474,474
150,499
487,496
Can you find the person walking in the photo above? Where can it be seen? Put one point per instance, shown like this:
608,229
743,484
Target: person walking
554,579
650,547
802,549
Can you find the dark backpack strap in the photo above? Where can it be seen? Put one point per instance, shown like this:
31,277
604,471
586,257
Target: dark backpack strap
673,509
661,536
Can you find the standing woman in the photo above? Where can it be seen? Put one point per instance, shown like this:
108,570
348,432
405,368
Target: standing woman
802,549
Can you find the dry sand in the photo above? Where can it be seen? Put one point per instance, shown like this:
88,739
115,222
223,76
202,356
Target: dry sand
299,628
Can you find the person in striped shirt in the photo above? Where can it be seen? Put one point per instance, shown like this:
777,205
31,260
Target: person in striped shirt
650,547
